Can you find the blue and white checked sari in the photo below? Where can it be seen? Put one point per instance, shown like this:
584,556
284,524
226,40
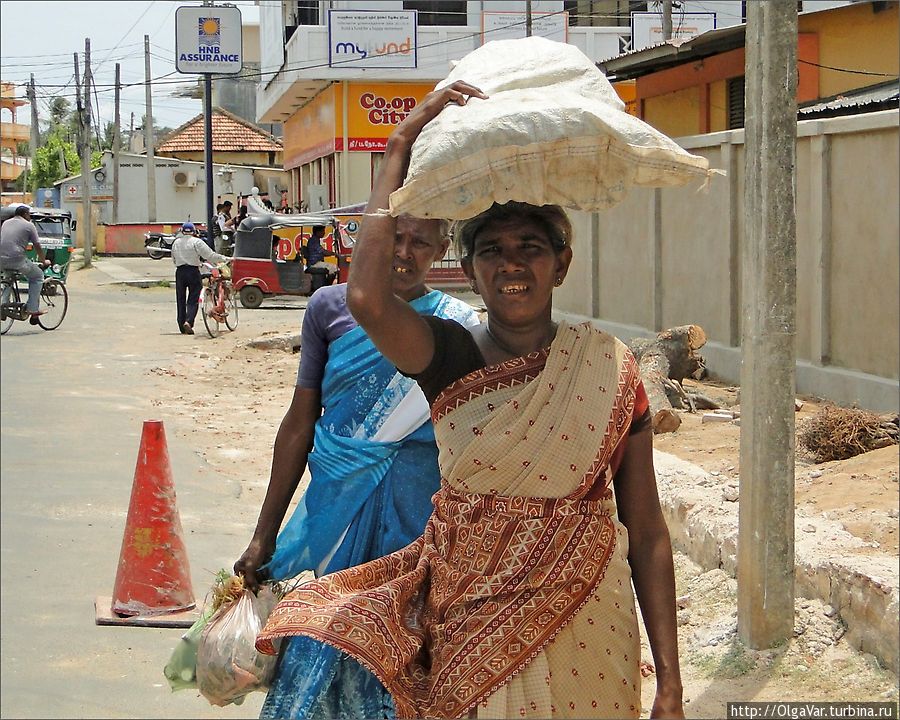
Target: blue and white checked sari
373,471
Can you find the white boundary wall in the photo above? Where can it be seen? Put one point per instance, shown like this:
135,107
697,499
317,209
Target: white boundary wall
671,257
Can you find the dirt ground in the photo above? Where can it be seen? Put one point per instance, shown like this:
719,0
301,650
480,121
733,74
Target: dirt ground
252,386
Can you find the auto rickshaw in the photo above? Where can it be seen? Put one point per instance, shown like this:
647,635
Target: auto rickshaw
268,256
54,228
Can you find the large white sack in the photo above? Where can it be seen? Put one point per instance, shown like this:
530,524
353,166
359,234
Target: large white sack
553,131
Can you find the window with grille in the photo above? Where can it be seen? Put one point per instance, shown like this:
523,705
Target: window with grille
307,12
735,97
438,12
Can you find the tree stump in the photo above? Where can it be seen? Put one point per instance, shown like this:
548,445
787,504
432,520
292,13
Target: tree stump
664,361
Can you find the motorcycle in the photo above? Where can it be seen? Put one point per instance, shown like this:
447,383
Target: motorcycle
158,244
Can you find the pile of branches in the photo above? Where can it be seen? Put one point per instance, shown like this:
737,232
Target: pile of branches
836,433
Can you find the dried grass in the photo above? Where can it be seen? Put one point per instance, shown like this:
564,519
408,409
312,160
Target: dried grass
836,433
226,589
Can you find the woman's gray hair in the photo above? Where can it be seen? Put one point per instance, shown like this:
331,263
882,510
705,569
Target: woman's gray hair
443,226
552,218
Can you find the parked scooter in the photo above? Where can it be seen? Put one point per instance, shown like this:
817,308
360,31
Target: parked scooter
158,244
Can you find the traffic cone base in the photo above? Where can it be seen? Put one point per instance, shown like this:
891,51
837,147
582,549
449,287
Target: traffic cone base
153,576
104,615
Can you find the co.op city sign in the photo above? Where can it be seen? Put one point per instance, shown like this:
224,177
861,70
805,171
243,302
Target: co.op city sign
208,39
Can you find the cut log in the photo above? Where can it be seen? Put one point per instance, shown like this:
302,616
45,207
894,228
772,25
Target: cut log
665,361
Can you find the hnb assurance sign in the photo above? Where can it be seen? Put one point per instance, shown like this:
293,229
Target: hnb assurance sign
208,40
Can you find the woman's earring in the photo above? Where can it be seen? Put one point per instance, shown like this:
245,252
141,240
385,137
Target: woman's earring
559,281
474,286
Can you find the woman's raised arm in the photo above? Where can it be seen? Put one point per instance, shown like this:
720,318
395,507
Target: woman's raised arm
395,328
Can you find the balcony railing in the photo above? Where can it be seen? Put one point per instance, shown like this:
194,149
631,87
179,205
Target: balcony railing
17,132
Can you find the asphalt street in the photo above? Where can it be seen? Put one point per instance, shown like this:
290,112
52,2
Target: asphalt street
73,404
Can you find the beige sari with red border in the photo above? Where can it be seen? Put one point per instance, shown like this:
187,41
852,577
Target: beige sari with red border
503,607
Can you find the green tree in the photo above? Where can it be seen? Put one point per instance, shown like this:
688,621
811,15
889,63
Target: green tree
63,120
56,159
109,136
60,109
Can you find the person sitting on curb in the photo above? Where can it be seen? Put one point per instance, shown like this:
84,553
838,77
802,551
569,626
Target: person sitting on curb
188,253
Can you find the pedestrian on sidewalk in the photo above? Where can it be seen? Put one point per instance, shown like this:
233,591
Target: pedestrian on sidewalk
16,234
366,434
188,254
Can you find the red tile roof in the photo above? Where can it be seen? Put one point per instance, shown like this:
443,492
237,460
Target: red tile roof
229,134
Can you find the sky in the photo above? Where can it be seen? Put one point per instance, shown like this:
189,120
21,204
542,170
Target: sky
40,37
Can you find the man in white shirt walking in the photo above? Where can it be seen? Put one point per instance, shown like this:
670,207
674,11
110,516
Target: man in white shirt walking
188,253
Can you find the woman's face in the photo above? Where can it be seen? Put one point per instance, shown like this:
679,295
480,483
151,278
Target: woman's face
418,243
515,266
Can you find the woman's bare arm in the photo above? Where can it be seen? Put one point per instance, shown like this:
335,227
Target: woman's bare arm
395,328
653,574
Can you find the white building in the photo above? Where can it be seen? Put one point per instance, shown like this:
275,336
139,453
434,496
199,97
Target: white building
341,75
180,188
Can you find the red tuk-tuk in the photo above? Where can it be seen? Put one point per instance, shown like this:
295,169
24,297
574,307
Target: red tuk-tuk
268,257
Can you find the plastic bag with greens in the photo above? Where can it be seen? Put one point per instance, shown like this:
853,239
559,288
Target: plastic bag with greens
181,670
229,667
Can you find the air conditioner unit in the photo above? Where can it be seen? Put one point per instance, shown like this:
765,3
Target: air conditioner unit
184,178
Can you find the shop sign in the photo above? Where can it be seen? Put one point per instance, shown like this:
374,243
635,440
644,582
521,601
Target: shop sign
208,39
372,39
511,25
647,27
374,110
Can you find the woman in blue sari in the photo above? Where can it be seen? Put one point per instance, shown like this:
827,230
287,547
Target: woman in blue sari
364,431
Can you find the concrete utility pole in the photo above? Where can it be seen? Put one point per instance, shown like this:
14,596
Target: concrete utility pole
667,19
86,219
117,147
35,138
148,136
769,262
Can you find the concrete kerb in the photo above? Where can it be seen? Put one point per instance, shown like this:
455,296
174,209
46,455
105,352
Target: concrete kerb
864,589
142,272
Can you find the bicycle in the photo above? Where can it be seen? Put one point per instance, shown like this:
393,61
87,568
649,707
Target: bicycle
54,301
218,301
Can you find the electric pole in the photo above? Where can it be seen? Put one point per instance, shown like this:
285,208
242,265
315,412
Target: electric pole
148,136
667,19
35,138
117,147
86,219
527,18
765,567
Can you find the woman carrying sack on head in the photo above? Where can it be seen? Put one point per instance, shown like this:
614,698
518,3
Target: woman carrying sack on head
517,600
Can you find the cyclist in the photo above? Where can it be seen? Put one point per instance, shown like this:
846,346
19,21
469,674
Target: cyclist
15,236
188,254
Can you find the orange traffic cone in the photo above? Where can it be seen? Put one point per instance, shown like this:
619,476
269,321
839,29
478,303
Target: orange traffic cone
153,577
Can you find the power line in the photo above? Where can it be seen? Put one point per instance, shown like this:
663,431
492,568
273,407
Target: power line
133,26
848,70
162,81
324,63
67,54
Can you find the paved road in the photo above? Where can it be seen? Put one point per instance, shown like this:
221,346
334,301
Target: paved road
73,404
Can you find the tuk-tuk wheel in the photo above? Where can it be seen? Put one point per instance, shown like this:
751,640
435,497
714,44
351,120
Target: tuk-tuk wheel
251,297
